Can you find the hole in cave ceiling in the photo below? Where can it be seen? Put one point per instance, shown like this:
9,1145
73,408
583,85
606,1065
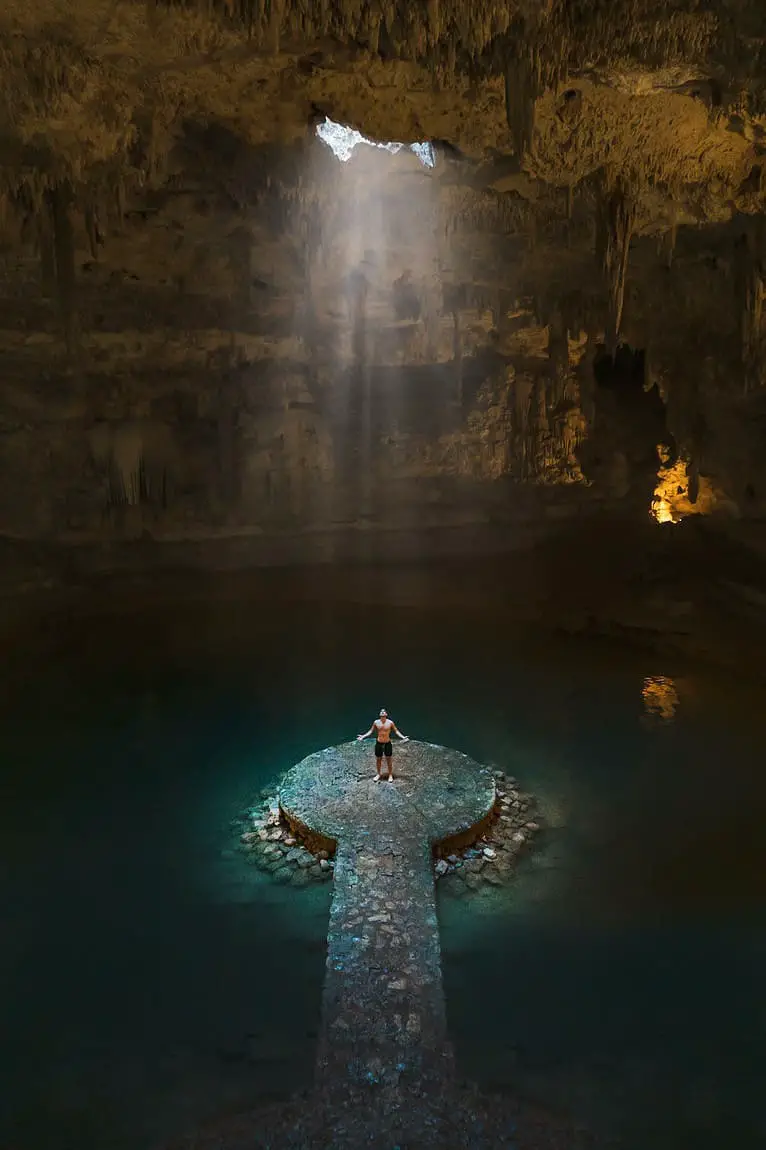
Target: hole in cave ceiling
342,140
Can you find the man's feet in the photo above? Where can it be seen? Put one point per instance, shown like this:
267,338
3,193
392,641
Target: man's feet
378,778
390,778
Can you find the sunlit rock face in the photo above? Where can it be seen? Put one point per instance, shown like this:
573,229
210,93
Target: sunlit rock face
542,257
677,496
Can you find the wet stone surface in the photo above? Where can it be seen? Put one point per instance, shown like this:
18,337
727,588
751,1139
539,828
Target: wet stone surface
437,793
383,1016
385,1073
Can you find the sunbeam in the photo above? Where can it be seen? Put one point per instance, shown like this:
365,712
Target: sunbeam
374,290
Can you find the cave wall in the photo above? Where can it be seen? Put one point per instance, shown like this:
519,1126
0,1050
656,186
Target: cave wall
211,326
349,348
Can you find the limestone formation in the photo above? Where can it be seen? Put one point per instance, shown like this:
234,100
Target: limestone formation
305,343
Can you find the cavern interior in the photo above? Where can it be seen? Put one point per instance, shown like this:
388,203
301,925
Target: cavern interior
362,354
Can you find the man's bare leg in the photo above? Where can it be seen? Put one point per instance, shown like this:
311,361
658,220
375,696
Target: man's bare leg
390,768
378,765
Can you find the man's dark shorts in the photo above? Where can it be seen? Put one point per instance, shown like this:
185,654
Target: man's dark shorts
386,749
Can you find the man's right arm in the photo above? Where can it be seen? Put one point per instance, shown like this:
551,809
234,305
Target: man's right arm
367,734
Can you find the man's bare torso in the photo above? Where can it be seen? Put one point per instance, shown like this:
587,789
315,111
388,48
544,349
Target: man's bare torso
383,728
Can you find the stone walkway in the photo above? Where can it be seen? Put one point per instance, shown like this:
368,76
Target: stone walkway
385,1071
383,1016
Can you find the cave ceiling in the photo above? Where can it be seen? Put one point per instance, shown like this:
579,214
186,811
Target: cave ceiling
167,214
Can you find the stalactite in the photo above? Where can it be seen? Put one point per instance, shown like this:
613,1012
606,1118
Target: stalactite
558,343
750,278
523,422
127,456
136,459
532,230
240,256
47,252
522,88
92,229
587,384
276,11
541,396
119,201
693,473
523,395
434,20
548,27
389,14
751,326
414,39
247,14
118,452
617,210
667,242
156,149
668,246
648,374
7,218
228,454
457,352
374,33
60,202
451,56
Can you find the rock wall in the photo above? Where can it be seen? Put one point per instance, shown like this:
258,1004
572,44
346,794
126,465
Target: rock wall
211,326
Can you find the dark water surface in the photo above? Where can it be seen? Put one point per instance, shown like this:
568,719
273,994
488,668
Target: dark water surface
150,981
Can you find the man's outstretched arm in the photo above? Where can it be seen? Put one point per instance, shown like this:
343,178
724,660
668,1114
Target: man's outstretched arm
404,738
367,734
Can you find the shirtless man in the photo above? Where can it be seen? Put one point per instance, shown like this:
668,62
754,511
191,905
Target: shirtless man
382,729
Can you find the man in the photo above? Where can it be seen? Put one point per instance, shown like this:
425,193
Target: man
382,728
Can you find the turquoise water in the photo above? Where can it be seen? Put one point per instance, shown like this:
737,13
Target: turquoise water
151,980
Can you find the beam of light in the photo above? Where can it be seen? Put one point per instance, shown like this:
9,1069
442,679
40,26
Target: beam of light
374,296
343,140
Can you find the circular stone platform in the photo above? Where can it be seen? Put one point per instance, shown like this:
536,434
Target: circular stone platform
438,794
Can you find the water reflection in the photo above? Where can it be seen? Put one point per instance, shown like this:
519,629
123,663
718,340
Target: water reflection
660,698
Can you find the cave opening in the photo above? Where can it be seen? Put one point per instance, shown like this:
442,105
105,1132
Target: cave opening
342,140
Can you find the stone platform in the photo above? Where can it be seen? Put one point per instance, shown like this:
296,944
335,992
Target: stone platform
385,1070
384,1029
439,795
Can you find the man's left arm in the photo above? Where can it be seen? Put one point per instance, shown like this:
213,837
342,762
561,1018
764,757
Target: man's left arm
404,738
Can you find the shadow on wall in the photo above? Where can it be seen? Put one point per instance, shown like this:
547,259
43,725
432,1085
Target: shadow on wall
620,455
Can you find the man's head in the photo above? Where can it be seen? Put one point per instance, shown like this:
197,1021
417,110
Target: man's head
383,713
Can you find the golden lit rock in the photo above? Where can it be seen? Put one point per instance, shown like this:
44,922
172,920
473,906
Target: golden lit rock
672,500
